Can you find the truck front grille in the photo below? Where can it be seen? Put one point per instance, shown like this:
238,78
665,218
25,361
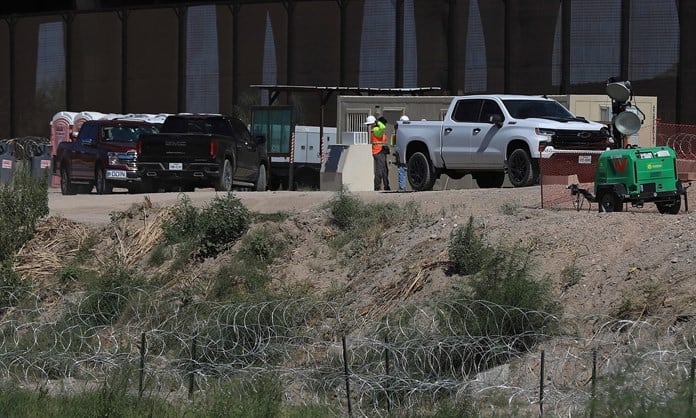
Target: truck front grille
580,140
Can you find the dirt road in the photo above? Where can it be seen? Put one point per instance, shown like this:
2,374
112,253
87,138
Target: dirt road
93,208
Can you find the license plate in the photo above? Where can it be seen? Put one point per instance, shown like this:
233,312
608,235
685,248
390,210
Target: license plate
115,174
176,166
584,159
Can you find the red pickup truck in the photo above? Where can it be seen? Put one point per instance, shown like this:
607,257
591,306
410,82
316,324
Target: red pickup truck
103,156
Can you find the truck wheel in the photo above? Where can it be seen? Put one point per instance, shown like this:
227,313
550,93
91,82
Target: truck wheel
66,186
669,208
490,180
520,168
609,201
102,186
224,184
421,174
261,180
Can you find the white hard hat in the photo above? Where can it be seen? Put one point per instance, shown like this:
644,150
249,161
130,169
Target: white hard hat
370,120
404,118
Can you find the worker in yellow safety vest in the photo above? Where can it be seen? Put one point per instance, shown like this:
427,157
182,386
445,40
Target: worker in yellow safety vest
378,139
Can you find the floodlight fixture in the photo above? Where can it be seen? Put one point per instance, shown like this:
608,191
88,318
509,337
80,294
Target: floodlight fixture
620,91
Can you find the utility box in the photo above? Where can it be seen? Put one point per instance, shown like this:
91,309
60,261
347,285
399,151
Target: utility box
597,107
306,156
8,163
307,143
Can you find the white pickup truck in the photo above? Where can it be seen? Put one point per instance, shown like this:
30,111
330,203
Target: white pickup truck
488,136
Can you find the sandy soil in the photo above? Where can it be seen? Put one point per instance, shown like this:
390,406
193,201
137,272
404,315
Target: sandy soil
637,253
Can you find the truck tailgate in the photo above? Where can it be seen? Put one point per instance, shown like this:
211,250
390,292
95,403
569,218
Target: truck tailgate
166,147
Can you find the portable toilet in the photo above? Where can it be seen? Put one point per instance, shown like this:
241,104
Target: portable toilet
85,116
62,125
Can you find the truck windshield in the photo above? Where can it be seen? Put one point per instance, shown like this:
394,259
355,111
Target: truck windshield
126,133
547,109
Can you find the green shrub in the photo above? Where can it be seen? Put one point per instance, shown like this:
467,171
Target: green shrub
361,225
182,225
12,287
247,273
222,223
213,228
468,251
499,304
345,210
261,245
24,201
109,293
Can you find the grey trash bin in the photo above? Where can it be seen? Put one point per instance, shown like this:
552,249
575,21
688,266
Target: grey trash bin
8,163
40,161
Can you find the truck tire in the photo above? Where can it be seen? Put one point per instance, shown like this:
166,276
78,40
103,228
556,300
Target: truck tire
262,180
224,183
609,201
66,186
421,174
490,180
669,208
521,171
102,186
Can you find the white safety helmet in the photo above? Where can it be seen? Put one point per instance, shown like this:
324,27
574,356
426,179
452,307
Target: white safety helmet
370,120
404,118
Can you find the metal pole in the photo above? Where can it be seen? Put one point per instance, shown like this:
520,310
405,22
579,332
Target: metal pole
345,372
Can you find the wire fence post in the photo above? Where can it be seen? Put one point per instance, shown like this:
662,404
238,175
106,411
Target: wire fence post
691,386
386,368
541,386
142,365
593,394
345,372
192,369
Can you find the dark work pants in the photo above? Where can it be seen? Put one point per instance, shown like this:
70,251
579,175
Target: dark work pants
381,171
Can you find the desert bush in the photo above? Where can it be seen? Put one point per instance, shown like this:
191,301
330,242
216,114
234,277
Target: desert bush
24,201
345,210
108,294
468,250
213,228
221,223
182,224
497,302
12,287
506,280
261,245
247,272
360,225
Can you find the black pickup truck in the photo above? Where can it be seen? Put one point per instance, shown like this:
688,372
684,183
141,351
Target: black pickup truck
202,150
102,156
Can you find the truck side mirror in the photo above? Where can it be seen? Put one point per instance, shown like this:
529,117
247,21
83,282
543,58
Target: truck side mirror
496,119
